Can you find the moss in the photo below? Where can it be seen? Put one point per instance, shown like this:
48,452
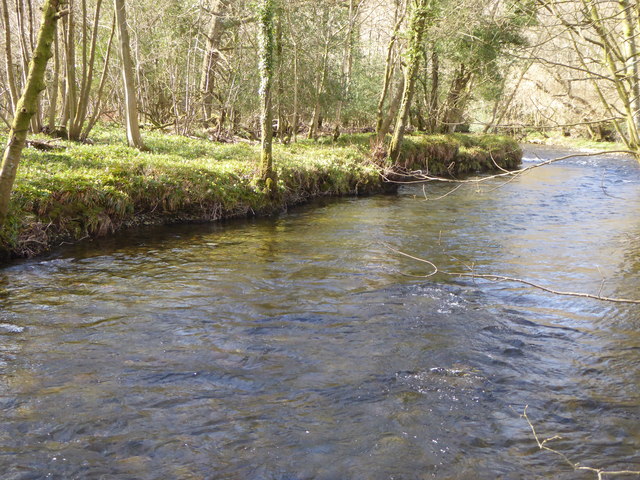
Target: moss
458,154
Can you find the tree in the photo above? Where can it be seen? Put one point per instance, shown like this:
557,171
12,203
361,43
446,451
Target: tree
417,27
266,67
13,90
28,103
131,104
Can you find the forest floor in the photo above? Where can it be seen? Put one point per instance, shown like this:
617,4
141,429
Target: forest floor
78,191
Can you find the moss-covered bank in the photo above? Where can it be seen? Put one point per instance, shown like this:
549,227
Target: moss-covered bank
459,154
84,191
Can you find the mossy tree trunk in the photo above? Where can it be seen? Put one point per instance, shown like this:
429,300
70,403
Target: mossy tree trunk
417,27
131,103
266,54
28,104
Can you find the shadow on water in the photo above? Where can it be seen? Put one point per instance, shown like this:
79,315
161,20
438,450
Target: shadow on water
293,348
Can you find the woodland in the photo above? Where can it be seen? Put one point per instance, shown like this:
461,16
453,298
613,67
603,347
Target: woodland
285,72
301,346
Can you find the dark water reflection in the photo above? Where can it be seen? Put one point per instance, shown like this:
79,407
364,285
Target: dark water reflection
292,348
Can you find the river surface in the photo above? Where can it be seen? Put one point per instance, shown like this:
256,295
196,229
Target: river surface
301,347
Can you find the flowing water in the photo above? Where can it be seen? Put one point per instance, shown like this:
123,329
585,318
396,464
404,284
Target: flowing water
300,347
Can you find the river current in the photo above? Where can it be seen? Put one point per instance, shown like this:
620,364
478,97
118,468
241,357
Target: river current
303,347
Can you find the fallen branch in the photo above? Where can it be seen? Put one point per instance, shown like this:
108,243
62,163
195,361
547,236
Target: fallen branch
418,176
542,445
44,146
502,278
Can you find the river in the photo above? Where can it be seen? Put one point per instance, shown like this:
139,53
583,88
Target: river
301,347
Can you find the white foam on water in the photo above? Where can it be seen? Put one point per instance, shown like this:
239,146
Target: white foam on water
8,327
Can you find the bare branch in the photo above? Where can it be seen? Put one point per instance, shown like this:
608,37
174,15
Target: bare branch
503,278
599,472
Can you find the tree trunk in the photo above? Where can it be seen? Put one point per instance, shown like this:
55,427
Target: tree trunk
456,99
266,55
631,58
53,97
77,122
27,105
131,103
71,92
381,131
295,117
347,65
211,58
320,84
26,46
435,90
417,27
392,111
8,57
103,79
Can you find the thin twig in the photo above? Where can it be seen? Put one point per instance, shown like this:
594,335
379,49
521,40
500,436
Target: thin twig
600,473
426,199
419,177
502,278
435,269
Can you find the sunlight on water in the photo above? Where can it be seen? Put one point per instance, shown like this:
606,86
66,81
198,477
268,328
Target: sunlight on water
295,348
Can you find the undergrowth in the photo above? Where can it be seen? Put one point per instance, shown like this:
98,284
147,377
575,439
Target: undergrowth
83,190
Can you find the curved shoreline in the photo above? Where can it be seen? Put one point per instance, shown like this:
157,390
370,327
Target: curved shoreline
88,191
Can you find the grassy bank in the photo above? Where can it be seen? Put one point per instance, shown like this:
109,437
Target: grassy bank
459,154
84,191
575,143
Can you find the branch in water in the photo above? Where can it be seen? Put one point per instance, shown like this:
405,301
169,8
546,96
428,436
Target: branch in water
420,177
502,278
542,445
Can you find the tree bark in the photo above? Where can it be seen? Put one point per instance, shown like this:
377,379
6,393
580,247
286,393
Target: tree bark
211,58
8,57
53,97
266,55
77,122
71,91
435,90
131,104
320,85
631,58
103,80
417,27
386,84
27,105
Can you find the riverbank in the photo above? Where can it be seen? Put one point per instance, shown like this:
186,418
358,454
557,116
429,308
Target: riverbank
82,191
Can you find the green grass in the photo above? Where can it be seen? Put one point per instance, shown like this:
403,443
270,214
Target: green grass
91,190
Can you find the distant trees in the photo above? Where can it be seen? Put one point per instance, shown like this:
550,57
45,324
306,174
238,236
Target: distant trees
338,65
601,38
192,65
